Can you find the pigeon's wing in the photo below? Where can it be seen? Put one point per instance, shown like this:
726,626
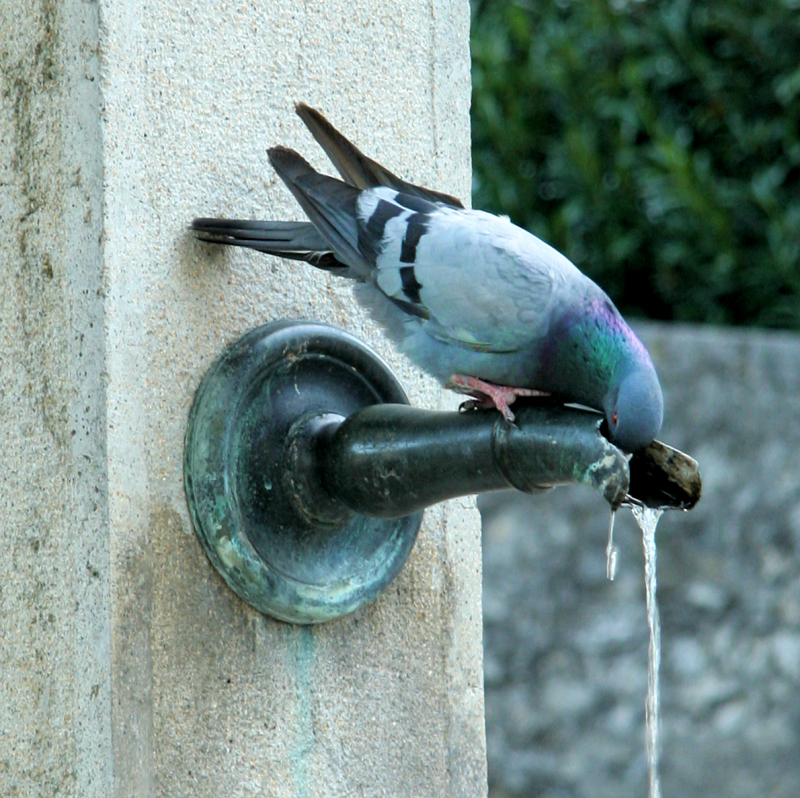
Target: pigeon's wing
480,282
355,168
472,279
303,240
330,204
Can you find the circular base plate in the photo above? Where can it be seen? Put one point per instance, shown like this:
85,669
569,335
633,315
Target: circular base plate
282,564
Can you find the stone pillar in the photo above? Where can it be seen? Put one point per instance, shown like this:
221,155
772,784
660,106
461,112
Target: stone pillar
129,668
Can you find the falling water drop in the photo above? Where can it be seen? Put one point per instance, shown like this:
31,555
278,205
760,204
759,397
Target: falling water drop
647,518
611,550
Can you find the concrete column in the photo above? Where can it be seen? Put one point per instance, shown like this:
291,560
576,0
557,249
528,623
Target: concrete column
129,668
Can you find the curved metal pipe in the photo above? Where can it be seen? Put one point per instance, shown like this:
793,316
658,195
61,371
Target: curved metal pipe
388,461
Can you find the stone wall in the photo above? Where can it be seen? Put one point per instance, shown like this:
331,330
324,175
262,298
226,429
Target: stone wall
566,651
128,667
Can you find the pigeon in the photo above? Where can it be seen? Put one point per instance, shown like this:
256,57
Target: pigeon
481,304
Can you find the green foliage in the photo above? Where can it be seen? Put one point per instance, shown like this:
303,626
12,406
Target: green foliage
656,143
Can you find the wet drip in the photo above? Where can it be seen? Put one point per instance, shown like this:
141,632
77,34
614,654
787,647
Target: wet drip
611,550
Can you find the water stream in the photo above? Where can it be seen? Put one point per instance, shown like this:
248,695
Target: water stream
611,550
647,518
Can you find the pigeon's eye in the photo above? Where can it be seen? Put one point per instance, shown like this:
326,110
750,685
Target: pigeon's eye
614,418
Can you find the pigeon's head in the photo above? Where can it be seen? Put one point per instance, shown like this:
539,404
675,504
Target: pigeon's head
635,409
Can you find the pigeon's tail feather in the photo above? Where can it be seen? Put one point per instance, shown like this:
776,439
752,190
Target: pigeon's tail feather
296,240
355,167
329,203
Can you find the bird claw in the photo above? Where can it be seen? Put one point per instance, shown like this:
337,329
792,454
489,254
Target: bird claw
485,403
488,395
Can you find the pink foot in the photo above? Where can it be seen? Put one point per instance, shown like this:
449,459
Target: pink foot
487,394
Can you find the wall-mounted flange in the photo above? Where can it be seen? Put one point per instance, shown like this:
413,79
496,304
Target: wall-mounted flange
288,563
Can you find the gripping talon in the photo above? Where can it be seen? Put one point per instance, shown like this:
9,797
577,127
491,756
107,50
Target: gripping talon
487,394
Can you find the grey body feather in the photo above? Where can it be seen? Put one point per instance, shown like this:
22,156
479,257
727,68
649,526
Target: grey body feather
462,292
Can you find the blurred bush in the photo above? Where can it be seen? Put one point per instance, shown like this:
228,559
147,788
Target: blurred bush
655,142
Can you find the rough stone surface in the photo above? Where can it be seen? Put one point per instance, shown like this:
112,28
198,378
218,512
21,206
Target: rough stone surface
54,632
566,651
128,667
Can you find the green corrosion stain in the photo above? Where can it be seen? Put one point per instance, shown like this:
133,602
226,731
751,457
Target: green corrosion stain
304,720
